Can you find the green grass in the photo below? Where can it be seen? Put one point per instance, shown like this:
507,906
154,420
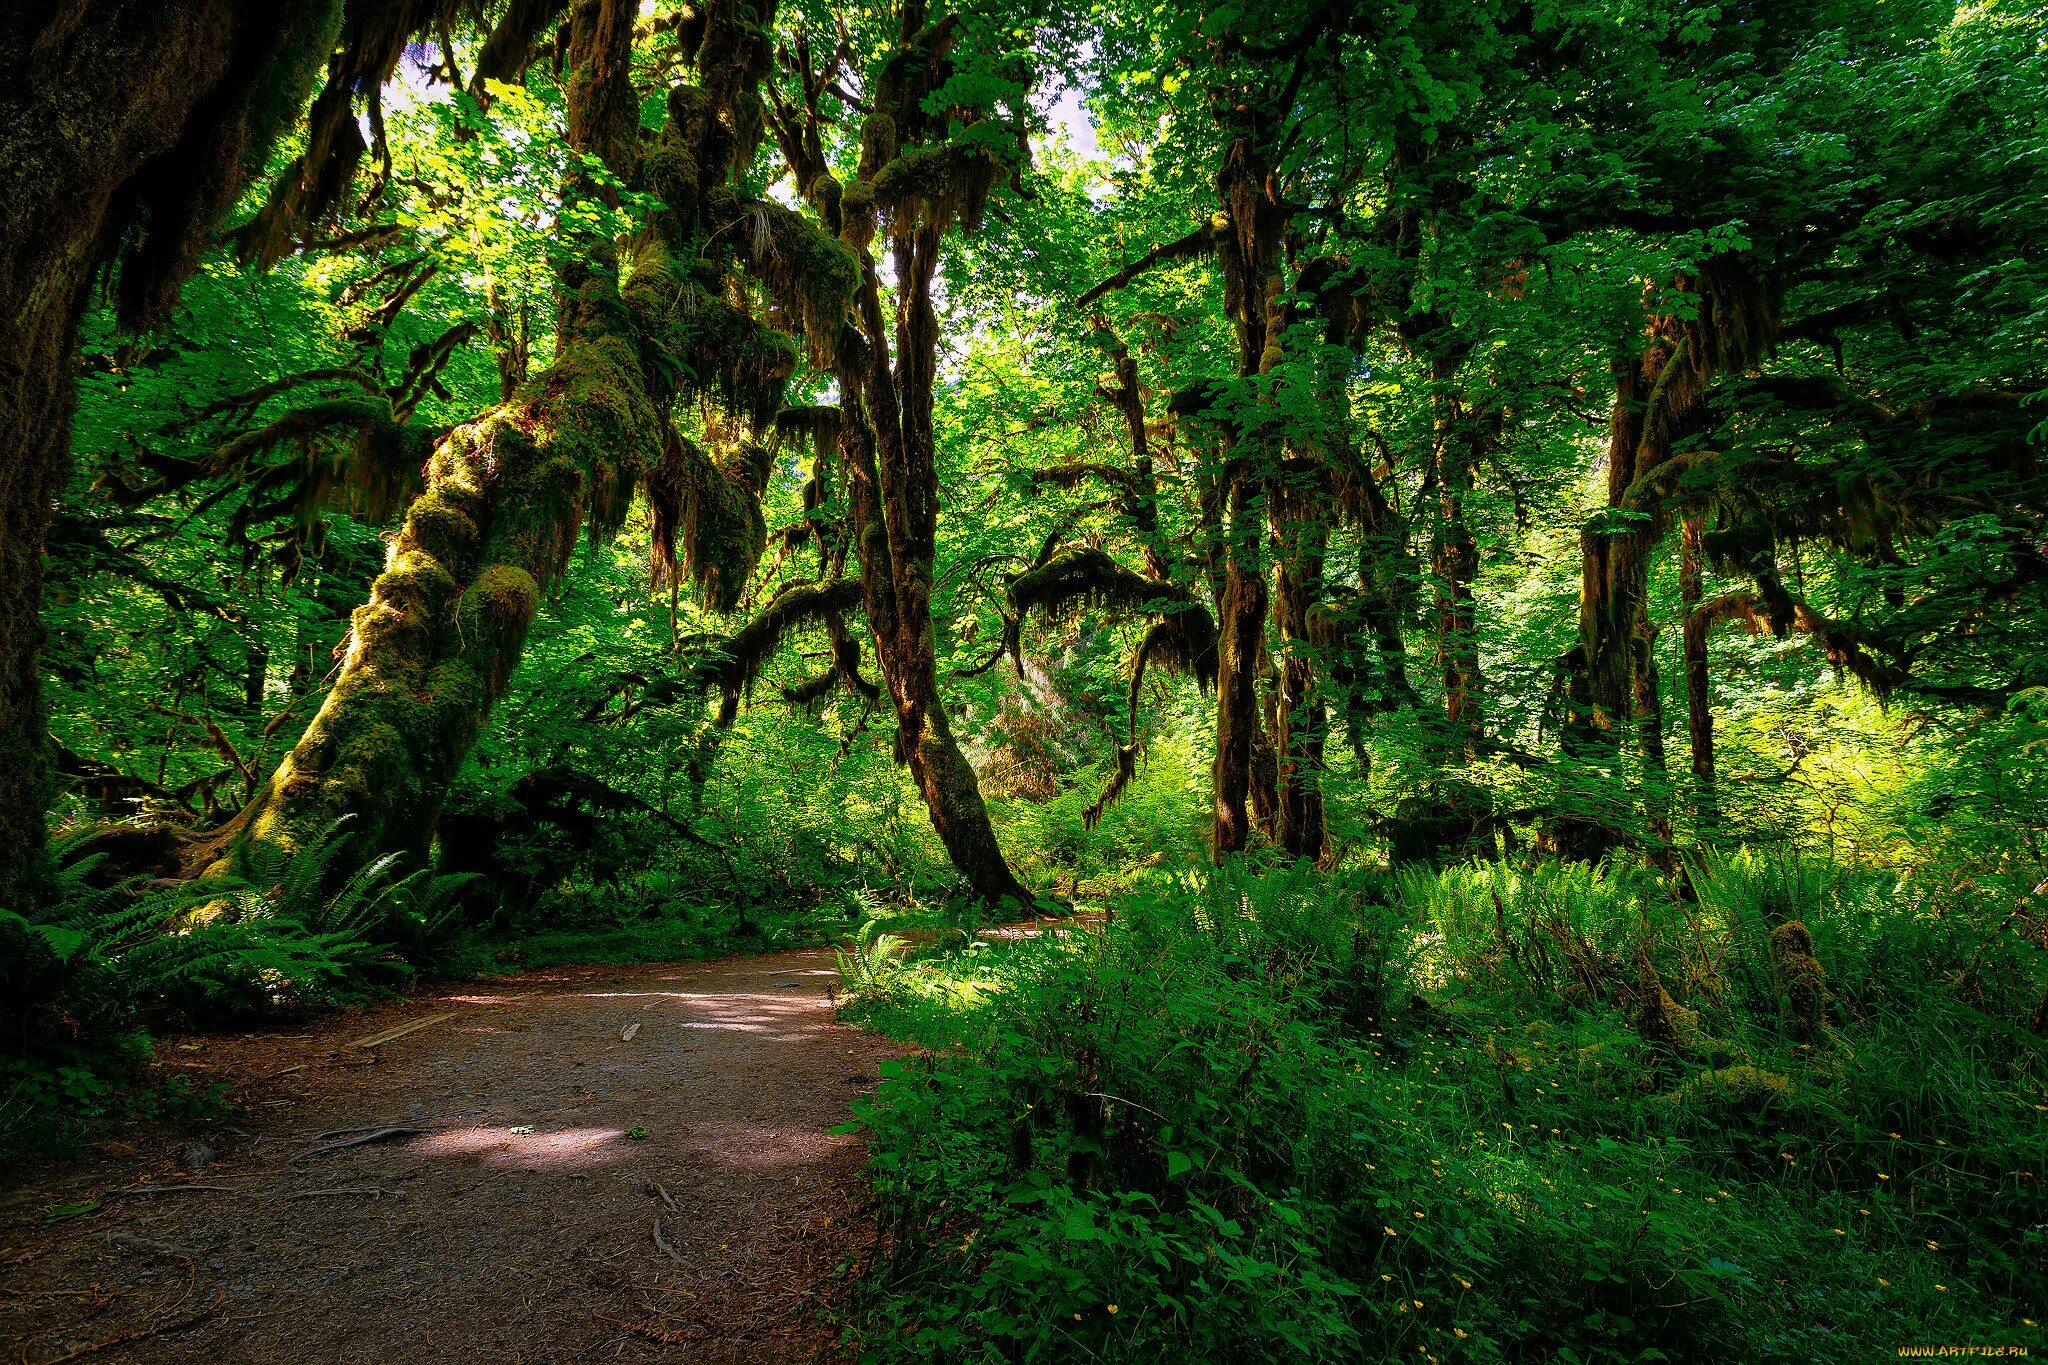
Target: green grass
1300,1118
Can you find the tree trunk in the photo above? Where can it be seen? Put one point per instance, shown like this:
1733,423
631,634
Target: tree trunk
1454,564
1699,705
1612,679
888,447
103,107
1241,629
1301,531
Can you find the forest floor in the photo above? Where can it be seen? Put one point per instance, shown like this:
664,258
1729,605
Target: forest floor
562,1191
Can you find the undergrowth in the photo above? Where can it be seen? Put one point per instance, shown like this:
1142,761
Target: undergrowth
84,983
1493,1113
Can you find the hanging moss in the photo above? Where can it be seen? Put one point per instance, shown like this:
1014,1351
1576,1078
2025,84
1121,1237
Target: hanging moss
810,274
736,662
1076,580
815,429
713,509
857,210
877,143
938,184
704,345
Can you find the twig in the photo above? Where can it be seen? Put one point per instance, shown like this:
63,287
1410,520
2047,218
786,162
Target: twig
377,1136
129,1239
653,1330
141,1333
168,1189
377,1039
666,1249
344,1189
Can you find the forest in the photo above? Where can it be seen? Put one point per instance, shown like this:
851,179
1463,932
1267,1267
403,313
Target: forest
1382,667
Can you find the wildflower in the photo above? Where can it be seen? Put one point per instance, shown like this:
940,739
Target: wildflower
1838,1232
1459,1332
1390,1232
1388,1278
1418,1303
1883,1281
1465,1282
1418,1213
1112,1308
1934,1246
1942,1287
1882,1176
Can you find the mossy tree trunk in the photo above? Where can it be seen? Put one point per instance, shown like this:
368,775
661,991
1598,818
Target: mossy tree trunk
914,184
111,112
1253,289
1612,679
1301,531
507,496
889,448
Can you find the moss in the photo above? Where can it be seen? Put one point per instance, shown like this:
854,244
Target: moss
1661,1021
938,184
669,171
415,581
1746,1090
823,194
440,529
878,144
809,274
1800,981
857,209
502,601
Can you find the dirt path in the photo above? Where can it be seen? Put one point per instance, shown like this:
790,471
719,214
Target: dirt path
521,1225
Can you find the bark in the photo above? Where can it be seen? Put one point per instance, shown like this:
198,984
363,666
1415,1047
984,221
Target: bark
109,111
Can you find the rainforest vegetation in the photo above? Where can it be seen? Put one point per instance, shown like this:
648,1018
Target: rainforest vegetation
1477,572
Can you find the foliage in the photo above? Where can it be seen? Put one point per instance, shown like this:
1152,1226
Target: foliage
1281,1117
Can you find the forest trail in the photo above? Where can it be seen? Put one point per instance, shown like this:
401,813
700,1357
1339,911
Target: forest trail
528,1221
